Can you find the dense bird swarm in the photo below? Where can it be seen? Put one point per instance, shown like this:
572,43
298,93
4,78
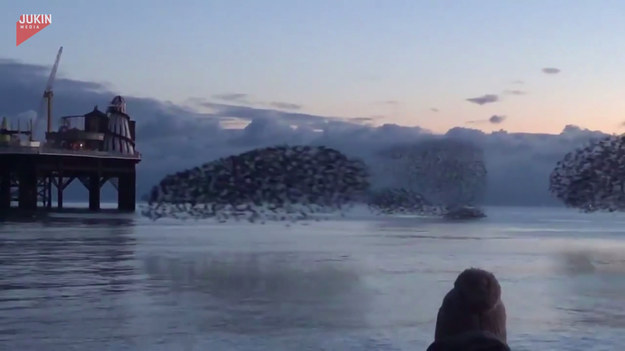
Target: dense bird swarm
463,212
398,201
592,178
403,201
276,183
448,173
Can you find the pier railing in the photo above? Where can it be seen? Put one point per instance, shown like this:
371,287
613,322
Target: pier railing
44,150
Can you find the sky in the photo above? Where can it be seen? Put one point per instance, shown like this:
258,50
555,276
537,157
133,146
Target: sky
173,137
522,66
525,81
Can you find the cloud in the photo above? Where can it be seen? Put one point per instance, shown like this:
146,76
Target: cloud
27,115
485,99
514,92
365,120
551,70
496,119
433,109
518,82
195,101
252,113
285,105
239,97
173,137
388,102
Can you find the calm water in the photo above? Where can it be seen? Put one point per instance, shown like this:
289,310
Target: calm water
125,283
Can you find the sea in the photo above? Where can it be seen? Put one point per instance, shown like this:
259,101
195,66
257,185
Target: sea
107,281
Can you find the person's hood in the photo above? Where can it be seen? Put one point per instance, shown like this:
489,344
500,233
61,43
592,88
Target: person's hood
471,341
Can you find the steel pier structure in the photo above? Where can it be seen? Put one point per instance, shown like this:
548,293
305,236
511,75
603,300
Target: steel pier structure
100,147
30,177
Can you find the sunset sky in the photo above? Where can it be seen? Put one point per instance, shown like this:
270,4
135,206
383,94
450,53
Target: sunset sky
546,63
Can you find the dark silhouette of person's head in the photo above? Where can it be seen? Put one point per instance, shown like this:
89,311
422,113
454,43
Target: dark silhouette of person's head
472,316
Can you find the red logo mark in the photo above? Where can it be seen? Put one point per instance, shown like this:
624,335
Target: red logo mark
29,25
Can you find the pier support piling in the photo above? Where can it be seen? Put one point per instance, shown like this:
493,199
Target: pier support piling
59,191
5,190
27,197
126,197
49,192
94,192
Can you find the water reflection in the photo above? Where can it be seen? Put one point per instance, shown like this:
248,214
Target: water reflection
595,280
252,292
59,274
429,228
103,282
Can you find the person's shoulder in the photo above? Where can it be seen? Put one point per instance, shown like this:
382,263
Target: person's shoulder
472,341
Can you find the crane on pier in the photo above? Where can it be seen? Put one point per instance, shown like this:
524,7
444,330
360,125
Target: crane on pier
47,96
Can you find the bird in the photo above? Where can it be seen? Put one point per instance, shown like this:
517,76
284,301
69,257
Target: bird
274,183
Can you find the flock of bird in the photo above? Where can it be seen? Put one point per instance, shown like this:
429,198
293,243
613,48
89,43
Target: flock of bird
592,178
307,182
398,201
445,171
439,176
275,183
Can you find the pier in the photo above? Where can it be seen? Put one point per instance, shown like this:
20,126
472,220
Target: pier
93,149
